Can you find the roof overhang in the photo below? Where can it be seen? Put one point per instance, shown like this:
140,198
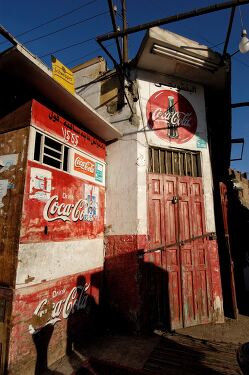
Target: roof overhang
168,53
20,64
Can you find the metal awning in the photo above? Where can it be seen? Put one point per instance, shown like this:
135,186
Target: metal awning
168,53
18,63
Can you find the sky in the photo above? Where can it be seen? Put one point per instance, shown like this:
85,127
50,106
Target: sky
73,26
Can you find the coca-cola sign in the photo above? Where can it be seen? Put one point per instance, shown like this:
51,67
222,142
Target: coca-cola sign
59,206
82,210
171,116
51,312
84,165
54,210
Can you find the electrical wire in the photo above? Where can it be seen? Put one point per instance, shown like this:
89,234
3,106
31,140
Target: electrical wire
241,19
88,54
70,46
56,18
64,28
104,77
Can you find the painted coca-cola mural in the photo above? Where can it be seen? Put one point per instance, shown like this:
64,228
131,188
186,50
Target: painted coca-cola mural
60,258
64,189
171,116
58,206
65,307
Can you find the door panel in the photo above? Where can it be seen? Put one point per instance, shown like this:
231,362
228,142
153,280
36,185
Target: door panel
172,253
203,297
174,288
180,205
156,211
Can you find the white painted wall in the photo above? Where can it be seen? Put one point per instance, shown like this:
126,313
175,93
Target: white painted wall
146,84
121,187
47,261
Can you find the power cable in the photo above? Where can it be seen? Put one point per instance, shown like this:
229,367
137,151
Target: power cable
70,46
64,28
88,54
104,77
56,18
241,19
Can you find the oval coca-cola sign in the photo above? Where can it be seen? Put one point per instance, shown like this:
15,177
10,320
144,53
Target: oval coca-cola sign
171,116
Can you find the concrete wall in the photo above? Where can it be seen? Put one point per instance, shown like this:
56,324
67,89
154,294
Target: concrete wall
127,209
149,84
126,229
13,157
60,254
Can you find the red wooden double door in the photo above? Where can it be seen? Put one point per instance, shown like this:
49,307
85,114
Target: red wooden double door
177,224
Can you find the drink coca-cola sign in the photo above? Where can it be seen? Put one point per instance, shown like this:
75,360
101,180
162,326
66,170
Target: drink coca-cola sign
49,311
171,116
59,206
82,210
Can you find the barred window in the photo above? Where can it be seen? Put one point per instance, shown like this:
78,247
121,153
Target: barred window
51,152
176,162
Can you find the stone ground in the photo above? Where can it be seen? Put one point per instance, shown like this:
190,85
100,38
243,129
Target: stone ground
212,348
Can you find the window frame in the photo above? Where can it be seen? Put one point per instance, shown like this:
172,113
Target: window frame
39,152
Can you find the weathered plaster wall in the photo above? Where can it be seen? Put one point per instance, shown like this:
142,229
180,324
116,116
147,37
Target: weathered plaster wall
151,83
121,185
40,262
60,244
51,318
13,151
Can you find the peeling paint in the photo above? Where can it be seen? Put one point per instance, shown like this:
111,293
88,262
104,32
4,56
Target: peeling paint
7,161
217,303
29,279
3,190
218,315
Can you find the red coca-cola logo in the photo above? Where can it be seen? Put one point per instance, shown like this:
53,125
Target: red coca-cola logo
84,165
171,116
53,210
50,312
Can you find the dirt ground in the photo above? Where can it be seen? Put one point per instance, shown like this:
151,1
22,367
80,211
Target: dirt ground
232,331
134,351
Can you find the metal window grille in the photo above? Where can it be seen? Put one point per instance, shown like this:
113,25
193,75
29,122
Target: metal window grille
176,162
51,152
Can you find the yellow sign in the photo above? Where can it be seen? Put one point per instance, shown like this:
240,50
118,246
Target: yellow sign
63,75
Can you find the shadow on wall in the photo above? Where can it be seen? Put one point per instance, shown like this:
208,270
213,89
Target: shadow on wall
135,297
84,319
135,294
238,217
81,322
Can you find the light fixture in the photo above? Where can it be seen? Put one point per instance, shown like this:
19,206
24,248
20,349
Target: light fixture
244,43
183,56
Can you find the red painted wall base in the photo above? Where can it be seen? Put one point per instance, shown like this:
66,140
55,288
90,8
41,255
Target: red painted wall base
52,318
136,290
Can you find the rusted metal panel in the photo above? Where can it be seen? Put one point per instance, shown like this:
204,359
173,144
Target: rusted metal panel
13,155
